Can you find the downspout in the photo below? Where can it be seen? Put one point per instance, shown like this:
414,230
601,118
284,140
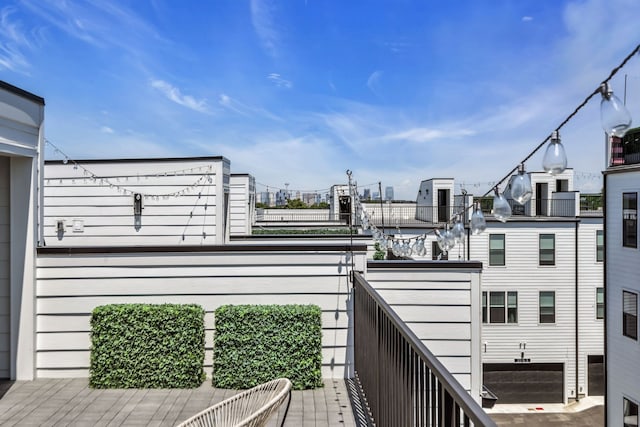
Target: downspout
577,327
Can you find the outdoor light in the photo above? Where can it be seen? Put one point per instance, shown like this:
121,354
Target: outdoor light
521,190
615,117
458,230
418,247
448,241
555,158
478,223
501,207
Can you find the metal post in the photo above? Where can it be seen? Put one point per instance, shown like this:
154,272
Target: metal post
381,205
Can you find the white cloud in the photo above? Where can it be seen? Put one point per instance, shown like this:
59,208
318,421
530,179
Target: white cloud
421,135
373,82
262,18
238,107
13,41
106,129
174,94
279,81
527,18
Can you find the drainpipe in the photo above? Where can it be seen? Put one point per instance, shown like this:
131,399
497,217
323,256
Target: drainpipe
576,292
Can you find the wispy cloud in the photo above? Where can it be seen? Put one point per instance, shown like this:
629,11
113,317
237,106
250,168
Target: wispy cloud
13,40
422,135
373,82
106,129
527,18
279,81
243,109
174,94
263,20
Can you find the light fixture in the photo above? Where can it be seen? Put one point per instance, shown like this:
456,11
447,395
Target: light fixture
555,158
478,223
458,230
520,187
448,241
418,247
615,117
501,207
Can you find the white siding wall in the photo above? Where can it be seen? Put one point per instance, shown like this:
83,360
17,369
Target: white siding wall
105,205
545,343
590,277
241,204
441,306
623,353
4,268
69,287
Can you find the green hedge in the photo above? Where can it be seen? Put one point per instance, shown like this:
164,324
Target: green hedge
257,343
147,346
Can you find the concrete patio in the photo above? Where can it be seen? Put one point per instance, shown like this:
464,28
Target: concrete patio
70,402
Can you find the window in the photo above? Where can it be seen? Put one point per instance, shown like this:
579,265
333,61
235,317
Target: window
630,314
547,303
599,303
496,249
496,307
484,307
599,245
437,252
630,413
512,307
629,220
497,311
547,249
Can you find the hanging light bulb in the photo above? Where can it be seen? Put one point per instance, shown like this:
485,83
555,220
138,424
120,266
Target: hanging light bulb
555,158
458,230
440,240
406,249
478,223
615,117
396,249
448,241
418,247
501,207
521,190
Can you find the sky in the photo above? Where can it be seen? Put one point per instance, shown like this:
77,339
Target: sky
300,91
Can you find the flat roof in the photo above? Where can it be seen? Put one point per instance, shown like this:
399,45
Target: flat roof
21,92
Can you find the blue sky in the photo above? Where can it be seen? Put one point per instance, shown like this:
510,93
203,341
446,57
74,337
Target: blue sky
300,91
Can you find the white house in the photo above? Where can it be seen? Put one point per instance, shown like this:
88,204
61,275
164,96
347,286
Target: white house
242,204
622,186
183,201
21,145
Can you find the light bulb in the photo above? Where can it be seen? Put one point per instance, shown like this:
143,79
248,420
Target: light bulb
458,230
614,116
406,249
448,241
478,223
501,207
521,190
440,240
396,249
418,247
555,159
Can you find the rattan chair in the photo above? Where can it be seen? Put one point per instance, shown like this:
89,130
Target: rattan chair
250,408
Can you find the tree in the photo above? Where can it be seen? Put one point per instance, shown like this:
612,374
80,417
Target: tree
296,204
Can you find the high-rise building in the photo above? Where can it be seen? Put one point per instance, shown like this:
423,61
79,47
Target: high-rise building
366,194
388,193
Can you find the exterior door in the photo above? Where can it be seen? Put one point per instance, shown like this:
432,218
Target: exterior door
443,206
595,372
526,382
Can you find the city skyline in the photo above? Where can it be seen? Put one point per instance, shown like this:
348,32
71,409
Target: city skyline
303,91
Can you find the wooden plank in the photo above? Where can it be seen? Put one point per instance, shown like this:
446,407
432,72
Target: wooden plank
266,271
84,305
191,286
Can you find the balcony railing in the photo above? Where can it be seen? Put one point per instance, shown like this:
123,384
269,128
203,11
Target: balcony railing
403,383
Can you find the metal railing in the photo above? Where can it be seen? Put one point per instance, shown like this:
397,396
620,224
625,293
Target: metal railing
403,383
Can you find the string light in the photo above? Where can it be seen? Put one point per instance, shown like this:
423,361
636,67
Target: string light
114,182
616,120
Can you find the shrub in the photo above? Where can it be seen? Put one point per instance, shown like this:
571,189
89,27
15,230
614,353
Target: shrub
379,253
147,346
258,343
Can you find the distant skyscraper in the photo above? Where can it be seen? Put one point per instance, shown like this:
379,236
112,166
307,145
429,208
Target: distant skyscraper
388,193
367,194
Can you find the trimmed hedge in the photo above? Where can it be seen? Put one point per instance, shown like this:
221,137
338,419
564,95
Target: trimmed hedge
254,344
147,346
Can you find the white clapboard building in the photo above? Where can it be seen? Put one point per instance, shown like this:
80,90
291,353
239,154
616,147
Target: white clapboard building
622,186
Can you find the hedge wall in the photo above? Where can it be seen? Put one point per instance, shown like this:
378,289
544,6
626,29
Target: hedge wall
257,343
147,346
